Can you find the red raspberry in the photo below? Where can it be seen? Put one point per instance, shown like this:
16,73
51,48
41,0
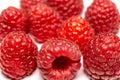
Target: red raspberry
17,55
12,19
77,30
59,59
67,8
101,57
103,16
26,4
44,22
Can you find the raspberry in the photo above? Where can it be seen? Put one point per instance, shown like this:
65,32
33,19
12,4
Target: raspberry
101,57
77,30
59,59
26,4
103,16
12,19
17,55
67,8
44,22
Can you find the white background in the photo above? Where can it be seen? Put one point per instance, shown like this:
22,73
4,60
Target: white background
36,75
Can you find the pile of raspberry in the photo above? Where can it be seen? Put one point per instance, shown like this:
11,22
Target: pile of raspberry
65,38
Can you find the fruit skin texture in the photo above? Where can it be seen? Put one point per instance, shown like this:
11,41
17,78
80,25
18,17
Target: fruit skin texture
119,21
103,16
17,55
25,5
101,57
66,8
59,59
12,19
44,22
77,30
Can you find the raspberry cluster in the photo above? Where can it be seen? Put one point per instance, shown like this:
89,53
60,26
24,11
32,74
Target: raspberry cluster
65,36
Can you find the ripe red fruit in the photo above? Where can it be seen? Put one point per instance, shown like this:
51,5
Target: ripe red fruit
103,16
101,57
26,4
59,59
67,8
44,22
77,30
17,55
12,19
